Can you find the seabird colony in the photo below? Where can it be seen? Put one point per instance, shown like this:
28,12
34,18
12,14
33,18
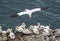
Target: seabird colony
31,30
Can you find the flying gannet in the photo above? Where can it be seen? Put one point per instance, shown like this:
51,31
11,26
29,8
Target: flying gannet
29,12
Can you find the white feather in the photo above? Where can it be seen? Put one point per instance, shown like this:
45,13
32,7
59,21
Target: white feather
35,10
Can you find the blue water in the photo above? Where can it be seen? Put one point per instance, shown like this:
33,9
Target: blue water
45,17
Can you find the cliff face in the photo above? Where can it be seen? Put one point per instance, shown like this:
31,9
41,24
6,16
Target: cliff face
55,35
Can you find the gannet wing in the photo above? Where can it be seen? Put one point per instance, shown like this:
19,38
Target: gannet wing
21,13
35,10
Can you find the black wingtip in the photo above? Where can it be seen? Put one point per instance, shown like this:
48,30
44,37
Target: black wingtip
14,15
44,8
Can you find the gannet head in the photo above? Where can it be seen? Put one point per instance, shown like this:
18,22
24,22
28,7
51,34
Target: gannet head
38,24
24,24
16,28
31,27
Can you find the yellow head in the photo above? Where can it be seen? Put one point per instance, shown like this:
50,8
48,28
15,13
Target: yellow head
17,27
31,27
38,24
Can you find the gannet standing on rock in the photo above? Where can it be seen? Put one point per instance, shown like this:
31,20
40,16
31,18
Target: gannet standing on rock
9,30
21,27
4,35
12,35
0,33
27,31
29,12
42,26
34,29
46,30
0,29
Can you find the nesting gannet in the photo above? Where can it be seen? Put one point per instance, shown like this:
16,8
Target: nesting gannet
12,35
9,30
27,31
21,27
0,29
34,29
29,12
38,24
46,30
42,26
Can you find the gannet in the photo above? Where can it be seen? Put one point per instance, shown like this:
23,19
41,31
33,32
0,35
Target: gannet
12,35
9,30
42,26
34,29
21,27
27,31
29,12
0,29
46,30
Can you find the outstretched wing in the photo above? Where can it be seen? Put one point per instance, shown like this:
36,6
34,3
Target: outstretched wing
21,13
35,10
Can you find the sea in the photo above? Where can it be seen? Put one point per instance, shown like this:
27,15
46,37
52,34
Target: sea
49,17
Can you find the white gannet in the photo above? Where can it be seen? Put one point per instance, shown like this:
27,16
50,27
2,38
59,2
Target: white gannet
27,31
35,29
42,26
46,30
20,28
12,35
29,12
0,29
9,30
